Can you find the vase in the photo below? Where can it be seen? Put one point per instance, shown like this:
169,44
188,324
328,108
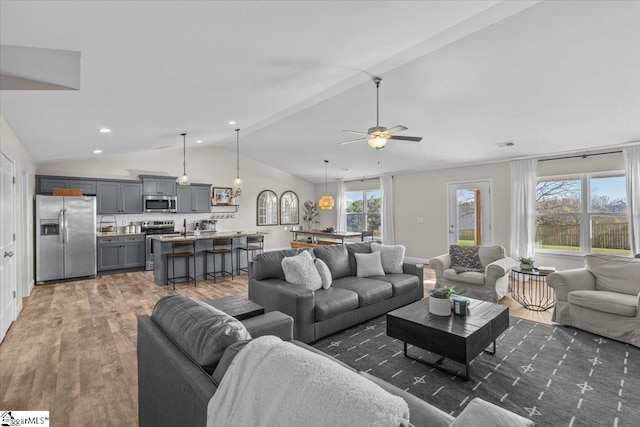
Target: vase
440,306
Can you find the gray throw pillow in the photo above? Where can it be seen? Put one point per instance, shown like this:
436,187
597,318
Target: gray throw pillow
200,330
300,270
392,257
325,273
369,265
465,258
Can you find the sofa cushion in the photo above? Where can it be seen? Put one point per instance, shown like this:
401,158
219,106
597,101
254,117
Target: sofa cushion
605,301
392,257
369,265
226,359
201,331
480,413
489,254
357,248
368,290
333,301
470,277
300,270
325,273
465,258
615,273
268,265
336,258
401,283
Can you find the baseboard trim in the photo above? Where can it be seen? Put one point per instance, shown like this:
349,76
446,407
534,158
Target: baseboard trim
32,284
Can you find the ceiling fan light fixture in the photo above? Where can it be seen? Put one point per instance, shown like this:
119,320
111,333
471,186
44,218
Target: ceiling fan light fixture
377,142
184,178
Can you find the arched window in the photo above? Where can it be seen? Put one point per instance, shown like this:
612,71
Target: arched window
289,208
267,208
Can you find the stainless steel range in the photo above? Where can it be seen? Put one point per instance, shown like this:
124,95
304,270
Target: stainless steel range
153,228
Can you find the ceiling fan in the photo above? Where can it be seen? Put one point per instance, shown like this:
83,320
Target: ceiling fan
378,136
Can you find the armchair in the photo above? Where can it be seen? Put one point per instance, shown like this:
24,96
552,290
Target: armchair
491,285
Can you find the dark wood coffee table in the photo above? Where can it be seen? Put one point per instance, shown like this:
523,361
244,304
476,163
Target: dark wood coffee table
459,338
237,306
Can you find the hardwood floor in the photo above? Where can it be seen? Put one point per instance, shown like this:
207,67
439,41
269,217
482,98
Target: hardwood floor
72,350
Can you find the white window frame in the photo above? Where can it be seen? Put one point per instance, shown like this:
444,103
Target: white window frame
585,213
364,207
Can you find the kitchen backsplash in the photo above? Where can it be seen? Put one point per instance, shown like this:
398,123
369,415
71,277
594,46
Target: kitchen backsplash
223,224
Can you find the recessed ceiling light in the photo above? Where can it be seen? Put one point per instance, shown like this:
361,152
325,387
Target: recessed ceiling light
97,151
505,144
346,169
105,130
199,141
232,122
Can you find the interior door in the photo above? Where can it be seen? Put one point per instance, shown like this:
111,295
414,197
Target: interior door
8,288
470,213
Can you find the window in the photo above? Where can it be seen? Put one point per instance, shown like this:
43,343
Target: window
289,208
364,210
582,213
267,208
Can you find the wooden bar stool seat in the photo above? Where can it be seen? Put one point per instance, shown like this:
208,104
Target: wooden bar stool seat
220,246
185,250
253,244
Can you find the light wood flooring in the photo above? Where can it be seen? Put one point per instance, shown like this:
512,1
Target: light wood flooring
72,350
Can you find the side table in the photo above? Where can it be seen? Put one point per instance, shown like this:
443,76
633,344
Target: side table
237,306
529,288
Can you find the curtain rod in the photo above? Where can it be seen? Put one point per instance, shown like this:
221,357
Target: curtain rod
584,156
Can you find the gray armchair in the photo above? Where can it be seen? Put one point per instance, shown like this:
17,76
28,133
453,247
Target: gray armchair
491,285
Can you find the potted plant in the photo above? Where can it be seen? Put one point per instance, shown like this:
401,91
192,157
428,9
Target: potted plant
440,301
310,216
526,263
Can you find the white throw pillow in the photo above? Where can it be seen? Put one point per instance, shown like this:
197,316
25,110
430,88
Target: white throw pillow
300,270
369,265
392,257
325,273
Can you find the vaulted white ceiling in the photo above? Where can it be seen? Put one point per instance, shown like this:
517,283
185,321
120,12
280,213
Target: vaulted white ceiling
551,76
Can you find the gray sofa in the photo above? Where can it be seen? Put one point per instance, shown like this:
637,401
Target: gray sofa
350,300
174,389
602,298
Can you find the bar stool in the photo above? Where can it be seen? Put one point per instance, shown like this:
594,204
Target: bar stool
254,244
221,246
186,250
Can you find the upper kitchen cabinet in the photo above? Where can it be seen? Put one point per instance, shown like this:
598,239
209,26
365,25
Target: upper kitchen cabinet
194,198
119,197
46,184
158,186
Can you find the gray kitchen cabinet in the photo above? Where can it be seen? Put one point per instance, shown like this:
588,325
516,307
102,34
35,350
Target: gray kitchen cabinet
153,186
45,185
194,198
115,197
116,253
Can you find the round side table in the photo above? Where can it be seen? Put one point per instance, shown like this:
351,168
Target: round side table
529,288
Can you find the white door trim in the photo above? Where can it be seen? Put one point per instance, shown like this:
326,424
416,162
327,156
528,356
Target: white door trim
487,208
8,264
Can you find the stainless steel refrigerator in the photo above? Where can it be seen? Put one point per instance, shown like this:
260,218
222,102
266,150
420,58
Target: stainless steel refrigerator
65,237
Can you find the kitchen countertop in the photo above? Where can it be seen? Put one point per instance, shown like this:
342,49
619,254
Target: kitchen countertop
206,235
116,234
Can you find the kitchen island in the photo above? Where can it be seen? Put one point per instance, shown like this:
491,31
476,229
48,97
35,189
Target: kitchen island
163,244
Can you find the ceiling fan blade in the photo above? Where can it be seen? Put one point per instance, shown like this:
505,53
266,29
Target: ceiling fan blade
356,132
396,129
406,138
351,141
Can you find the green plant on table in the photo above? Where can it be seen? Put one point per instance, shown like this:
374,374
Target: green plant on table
526,261
311,213
442,293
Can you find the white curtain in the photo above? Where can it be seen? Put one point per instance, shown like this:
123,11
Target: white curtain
341,207
388,234
632,168
523,208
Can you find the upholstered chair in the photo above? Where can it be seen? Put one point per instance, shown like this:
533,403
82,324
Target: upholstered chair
489,283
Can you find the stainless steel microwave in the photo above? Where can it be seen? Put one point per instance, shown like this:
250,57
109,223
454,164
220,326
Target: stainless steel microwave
160,203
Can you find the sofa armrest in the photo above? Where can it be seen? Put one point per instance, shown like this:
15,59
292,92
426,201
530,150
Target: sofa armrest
415,269
579,279
439,265
480,413
290,299
271,323
498,269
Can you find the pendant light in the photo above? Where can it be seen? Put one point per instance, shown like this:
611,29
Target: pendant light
326,201
184,179
237,183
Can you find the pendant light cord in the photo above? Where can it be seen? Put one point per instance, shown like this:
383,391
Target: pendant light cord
326,163
184,153
237,153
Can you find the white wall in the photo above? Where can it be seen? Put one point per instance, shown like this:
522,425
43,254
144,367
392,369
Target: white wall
11,146
204,165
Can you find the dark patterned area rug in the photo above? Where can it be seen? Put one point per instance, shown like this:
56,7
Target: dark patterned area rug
553,375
